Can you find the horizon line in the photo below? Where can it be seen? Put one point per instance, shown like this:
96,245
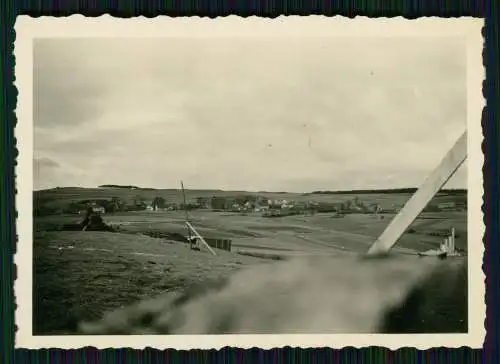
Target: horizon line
245,190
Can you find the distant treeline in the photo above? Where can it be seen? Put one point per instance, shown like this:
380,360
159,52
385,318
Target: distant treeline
125,187
395,190
117,186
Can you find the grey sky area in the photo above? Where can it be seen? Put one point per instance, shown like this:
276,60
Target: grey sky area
289,114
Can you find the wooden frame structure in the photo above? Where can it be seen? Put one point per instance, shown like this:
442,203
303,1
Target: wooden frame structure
191,231
431,186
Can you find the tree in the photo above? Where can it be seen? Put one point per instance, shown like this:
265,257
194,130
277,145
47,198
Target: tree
158,203
201,201
117,204
139,203
218,203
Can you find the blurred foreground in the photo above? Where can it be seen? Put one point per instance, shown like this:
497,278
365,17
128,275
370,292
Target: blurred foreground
339,294
112,283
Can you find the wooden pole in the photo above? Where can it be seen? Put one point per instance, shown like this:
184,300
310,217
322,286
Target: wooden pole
452,238
200,237
186,213
185,203
436,180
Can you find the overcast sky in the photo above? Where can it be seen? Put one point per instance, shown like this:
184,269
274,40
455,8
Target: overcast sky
286,114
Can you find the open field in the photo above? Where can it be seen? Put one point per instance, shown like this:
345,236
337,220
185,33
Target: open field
321,232
334,294
82,275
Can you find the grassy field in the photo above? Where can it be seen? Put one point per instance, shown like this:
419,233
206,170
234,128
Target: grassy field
335,294
321,232
81,275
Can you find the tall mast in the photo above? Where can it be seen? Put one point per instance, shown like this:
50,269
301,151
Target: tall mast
186,210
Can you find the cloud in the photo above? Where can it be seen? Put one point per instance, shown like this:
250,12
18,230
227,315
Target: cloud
253,113
45,163
48,173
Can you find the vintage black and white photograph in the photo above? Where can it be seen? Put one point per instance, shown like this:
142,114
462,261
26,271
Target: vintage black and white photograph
282,179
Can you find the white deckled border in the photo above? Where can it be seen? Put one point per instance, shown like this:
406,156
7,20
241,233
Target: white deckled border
312,26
